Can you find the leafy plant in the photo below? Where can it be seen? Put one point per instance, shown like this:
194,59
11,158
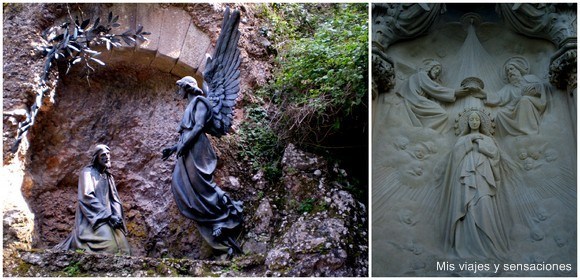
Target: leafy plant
73,269
306,205
259,145
321,85
74,40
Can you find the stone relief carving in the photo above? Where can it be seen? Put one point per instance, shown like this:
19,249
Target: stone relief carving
475,226
501,189
394,22
383,73
523,100
422,93
555,22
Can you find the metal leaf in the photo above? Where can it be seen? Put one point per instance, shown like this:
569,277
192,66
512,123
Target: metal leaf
77,60
116,24
97,21
58,38
110,16
92,52
97,61
128,40
139,29
73,47
85,23
116,18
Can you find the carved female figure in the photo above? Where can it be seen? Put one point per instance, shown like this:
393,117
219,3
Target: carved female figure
523,100
474,225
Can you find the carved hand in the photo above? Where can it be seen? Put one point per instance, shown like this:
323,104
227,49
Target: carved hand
462,92
531,90
115,222
181,150
168,152
476,137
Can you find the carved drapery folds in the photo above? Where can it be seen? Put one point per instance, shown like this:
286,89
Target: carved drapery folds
554,22
392,23
502,188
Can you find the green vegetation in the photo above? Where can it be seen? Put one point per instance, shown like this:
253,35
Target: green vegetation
306,205
321,83
317,97
73,269
259,145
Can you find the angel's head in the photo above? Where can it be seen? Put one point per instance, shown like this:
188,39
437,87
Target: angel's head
433,68
188,86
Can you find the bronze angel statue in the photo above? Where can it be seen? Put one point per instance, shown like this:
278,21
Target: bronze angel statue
209,110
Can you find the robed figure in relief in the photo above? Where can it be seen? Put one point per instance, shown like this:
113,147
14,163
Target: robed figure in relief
423,94
475,226
522,100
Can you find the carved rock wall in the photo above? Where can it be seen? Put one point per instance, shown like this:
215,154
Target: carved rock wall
131,105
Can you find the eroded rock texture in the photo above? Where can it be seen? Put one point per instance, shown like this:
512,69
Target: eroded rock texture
306,224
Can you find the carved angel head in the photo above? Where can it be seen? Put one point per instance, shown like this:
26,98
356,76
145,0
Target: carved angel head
433,68
188,85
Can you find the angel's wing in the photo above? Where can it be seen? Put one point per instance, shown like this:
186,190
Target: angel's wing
221,77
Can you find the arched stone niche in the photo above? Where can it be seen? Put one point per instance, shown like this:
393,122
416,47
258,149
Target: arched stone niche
135,112
429,212
130,104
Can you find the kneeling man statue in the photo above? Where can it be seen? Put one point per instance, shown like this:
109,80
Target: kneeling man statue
99,220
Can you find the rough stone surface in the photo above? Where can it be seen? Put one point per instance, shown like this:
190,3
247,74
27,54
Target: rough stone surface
150,16
132,108
47,263
324,228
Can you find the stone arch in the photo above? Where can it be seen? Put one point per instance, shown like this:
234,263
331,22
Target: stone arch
176,45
